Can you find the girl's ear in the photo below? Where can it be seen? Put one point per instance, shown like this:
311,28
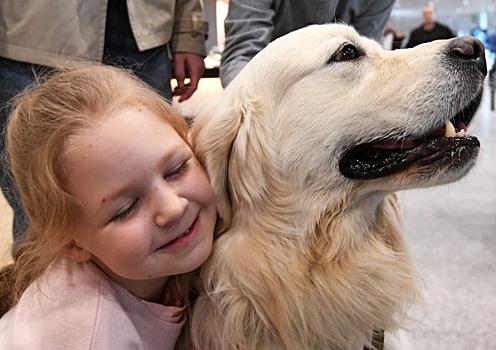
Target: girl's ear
74,251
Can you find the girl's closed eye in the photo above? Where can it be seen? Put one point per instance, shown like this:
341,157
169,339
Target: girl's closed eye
124,214
177,171
174,174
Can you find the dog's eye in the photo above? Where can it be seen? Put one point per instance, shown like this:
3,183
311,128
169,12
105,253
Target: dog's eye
345,53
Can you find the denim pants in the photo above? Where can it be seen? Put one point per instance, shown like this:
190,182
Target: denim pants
152,66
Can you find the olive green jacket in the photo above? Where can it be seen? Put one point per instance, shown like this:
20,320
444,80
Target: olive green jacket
49,32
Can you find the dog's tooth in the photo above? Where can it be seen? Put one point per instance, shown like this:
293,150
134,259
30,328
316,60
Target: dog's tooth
450,130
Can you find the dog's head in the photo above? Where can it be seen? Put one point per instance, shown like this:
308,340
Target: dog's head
325,111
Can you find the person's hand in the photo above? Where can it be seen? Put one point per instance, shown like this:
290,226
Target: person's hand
187,65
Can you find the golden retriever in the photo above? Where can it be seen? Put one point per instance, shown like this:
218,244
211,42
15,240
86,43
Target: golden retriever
305,150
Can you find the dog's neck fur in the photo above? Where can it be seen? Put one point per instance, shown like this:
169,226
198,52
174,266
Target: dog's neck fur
279,278
364,281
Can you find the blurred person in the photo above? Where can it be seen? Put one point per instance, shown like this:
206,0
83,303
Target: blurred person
430,30
392,39
36,35
252,24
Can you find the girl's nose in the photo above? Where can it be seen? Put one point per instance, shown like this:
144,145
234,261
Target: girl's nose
169,206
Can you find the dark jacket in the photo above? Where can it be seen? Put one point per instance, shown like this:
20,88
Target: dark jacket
420,35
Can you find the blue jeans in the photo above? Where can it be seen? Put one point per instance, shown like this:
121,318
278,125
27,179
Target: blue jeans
152,66
120,49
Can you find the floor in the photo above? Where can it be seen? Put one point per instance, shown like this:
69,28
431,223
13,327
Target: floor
451,231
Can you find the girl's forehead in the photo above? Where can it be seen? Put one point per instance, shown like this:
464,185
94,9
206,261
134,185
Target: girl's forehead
123,146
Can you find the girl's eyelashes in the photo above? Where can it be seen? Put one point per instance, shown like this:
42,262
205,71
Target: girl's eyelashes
126,212
173,174
177,171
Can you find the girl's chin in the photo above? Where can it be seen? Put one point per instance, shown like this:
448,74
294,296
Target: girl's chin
199,255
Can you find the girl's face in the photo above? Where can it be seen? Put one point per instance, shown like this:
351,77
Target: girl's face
148,208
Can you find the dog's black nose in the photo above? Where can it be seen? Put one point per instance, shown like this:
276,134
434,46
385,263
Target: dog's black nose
469,49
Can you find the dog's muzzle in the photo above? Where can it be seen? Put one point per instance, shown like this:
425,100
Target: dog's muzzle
448,145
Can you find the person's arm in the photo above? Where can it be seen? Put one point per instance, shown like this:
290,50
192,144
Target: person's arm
398,38
369,18
248,29
188,46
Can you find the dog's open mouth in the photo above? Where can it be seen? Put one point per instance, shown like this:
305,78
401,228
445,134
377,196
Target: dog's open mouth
377,159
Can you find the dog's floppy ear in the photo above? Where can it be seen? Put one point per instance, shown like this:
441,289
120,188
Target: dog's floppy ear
230,138
213,133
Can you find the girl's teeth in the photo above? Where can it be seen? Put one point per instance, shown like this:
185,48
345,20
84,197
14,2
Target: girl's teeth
186,232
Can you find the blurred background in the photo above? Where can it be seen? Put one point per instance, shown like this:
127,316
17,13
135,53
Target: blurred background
464,17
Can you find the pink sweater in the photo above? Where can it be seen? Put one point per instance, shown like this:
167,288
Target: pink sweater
77,306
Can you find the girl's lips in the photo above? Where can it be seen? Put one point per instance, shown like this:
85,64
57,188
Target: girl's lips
184,239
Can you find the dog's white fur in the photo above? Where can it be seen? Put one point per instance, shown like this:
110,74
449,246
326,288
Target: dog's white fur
307,258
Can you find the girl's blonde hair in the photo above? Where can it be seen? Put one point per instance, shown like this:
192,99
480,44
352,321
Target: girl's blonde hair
40,129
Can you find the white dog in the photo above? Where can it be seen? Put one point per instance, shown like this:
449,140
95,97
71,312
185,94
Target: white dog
305,150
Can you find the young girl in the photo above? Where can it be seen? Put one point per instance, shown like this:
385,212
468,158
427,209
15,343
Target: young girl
119,208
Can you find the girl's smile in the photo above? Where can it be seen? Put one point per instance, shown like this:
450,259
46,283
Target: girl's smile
182,240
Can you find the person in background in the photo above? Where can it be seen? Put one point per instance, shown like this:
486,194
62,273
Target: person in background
251,25
36,35
120,211
430,30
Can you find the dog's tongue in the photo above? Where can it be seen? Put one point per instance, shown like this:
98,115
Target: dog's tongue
460,126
